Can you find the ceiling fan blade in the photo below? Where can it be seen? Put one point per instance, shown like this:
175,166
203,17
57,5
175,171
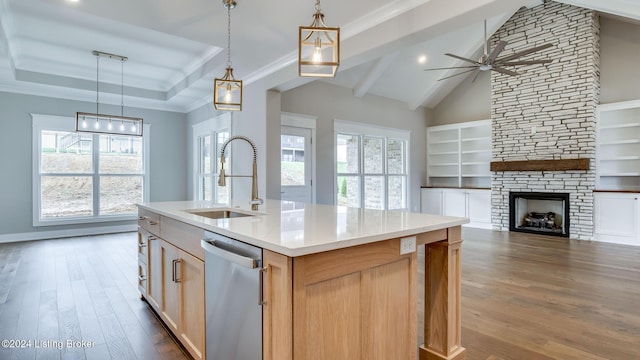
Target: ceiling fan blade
455,67
522,62
476,75
505,71
496,51
464,59
460,73
524,52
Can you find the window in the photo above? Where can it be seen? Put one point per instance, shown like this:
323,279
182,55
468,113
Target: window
80,177
371,166
208,139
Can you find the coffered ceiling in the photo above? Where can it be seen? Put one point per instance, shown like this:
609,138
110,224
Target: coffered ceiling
176,48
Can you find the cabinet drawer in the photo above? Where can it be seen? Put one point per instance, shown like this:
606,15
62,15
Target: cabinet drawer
142,278
149,221
184,236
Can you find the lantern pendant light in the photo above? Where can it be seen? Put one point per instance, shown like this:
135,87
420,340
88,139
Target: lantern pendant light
318,48
227,91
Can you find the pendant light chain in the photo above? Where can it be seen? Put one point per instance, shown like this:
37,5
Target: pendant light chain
228,34
97,83
317,5
122,87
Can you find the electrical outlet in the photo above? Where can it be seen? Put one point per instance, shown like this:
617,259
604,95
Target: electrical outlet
407,245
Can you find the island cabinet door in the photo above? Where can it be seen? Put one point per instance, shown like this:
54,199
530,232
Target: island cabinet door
190,277
277,311
355,303
170,305
154,273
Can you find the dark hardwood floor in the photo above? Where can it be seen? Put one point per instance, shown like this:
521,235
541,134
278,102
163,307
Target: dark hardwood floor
523,297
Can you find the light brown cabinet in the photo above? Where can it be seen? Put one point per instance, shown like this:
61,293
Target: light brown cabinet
175,279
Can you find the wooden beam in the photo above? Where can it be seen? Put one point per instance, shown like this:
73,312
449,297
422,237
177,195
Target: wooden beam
541,165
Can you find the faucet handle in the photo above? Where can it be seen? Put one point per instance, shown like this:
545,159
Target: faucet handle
256,201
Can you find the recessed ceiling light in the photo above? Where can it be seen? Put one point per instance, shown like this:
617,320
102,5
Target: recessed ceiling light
422,59
73,1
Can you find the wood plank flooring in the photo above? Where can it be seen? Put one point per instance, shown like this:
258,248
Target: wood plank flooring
539,297
523,297
78,289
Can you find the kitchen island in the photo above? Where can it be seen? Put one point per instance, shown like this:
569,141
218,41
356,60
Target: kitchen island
339,283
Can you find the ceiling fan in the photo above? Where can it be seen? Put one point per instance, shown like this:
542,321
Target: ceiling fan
490,61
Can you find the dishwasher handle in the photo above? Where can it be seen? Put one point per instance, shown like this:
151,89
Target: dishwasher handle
211,246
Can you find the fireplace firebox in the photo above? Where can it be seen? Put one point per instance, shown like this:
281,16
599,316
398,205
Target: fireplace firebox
539,213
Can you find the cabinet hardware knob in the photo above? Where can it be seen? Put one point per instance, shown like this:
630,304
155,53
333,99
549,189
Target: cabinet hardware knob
142,278
141,245
150,222
141,218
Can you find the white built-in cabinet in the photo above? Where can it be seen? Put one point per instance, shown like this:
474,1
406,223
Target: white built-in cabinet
616,204
617,217
458,155
474,204
458,175
618,152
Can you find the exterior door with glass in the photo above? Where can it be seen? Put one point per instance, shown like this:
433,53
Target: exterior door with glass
295,164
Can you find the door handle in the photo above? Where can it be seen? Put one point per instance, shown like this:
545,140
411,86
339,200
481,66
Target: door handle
175,262
212,247
261,300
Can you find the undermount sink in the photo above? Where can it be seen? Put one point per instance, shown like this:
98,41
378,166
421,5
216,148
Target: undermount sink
217,214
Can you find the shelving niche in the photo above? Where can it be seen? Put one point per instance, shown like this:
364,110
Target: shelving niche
618,151
458,155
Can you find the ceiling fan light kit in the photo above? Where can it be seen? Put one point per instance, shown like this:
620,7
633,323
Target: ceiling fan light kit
227,91
491,61
106,123
318,47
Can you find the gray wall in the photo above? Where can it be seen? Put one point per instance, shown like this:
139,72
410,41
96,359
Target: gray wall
339,103
619,60
167,156
619,75
469,101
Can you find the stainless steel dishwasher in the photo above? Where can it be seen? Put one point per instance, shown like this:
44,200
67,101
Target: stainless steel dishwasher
233,296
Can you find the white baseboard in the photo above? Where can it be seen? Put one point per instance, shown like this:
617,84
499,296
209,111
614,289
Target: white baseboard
54,234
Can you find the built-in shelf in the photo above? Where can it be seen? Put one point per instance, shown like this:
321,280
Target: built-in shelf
459,154
618,146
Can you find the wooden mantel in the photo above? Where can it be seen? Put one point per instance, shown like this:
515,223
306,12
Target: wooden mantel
541,165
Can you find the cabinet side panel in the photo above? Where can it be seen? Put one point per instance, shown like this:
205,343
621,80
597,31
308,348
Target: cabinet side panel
277,312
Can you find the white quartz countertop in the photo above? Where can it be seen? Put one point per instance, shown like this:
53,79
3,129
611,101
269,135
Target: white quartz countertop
295,229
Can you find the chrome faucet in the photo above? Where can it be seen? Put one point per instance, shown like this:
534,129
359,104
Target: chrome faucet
255,200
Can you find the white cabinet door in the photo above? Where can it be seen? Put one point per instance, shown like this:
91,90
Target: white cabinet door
431,201
454,202
616,218
479,208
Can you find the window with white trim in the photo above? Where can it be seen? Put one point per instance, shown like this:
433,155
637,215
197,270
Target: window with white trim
84,177
371,166
208,138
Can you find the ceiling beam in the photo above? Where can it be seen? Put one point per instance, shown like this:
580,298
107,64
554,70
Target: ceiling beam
373,75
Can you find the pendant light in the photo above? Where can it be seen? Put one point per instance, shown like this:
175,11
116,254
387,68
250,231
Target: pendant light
104,123
318,48
227,91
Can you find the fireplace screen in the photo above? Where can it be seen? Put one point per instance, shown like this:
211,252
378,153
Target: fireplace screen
543,213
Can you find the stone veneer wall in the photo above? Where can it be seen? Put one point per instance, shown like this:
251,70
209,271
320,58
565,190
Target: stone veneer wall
558,99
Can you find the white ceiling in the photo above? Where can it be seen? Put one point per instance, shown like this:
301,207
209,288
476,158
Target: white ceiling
176,48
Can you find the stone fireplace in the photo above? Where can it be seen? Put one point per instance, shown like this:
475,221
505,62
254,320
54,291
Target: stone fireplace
544,213
547,114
